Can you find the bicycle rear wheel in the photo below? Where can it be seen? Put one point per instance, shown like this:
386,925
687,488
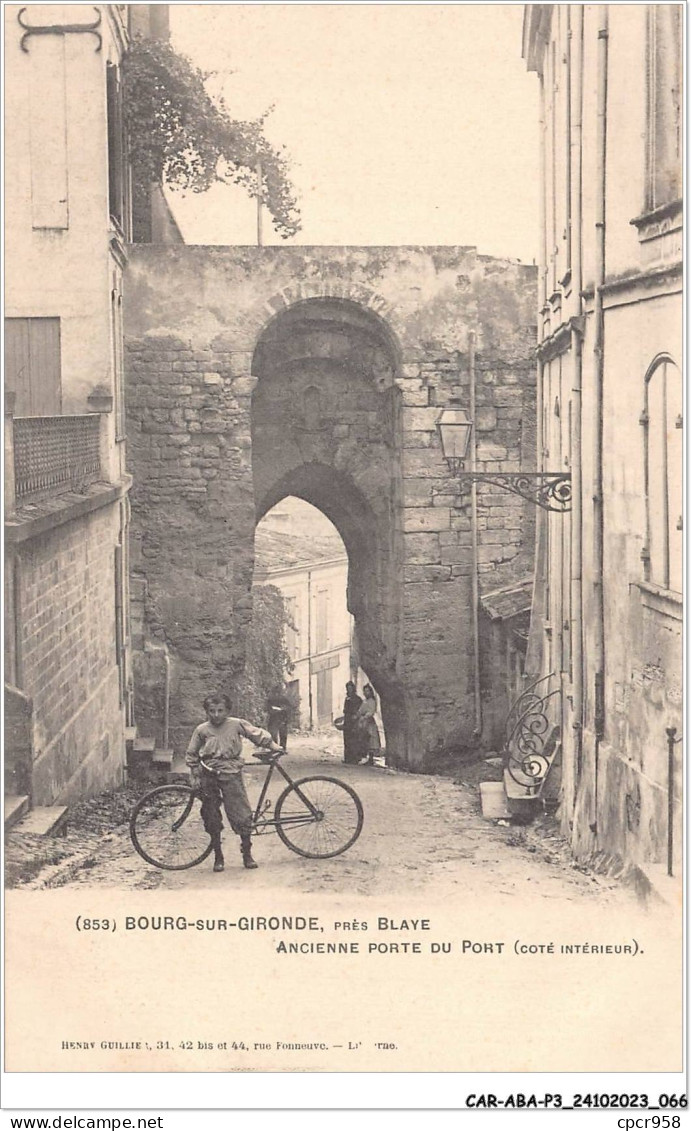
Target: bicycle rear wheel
319,817
166,828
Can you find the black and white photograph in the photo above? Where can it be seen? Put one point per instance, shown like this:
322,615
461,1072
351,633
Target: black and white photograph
343,475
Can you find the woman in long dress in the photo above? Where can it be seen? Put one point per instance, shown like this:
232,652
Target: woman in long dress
367,724
351,733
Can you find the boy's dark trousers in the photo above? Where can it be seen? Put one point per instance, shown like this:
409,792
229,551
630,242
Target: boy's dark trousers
229,791
279,732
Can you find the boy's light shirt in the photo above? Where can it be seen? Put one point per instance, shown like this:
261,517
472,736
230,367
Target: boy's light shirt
221,747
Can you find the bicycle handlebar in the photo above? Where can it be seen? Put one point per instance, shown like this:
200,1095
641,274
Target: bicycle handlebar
270,756
262,759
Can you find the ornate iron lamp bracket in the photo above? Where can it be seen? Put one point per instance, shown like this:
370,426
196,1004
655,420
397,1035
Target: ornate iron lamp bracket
59,29
550,490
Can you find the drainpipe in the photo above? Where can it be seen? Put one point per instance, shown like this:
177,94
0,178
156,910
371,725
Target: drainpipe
10,493
542,289
598,398
577,540
539,579
163,651
577,330
475,596
309,647
535,657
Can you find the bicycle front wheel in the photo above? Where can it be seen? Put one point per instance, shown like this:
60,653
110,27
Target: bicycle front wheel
319,817
166,828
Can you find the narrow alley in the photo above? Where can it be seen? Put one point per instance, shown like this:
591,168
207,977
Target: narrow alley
423,835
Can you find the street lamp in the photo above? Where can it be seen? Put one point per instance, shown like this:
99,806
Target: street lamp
550,490
454,430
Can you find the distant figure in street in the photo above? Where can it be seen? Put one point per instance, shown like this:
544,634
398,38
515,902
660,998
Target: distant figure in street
278,711
214,758
367,724
352,741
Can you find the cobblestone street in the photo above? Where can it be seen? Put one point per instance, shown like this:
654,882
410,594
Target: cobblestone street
421,835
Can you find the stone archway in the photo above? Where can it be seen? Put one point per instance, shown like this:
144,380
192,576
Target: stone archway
324,424
370,575
252,372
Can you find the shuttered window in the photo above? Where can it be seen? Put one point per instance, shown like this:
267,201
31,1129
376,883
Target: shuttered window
664,126
32,365
116,147
664,469
322,619
291,630
47,127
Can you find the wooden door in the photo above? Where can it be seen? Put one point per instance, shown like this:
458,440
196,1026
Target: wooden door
293,697
325,696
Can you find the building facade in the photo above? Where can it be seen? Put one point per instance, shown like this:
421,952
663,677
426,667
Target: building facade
318,639
300,553
67,210
606,625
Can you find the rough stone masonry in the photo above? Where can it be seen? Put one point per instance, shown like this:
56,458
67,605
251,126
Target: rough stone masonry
257,373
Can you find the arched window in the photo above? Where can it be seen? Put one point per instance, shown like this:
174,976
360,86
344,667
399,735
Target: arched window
663,474
312,407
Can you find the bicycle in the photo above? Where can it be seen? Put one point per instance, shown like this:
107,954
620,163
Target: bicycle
318,817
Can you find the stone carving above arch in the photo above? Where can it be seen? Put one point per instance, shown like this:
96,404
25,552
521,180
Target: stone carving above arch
324,288
331,327
361,299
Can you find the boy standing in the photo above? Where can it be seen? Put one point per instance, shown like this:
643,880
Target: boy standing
214,756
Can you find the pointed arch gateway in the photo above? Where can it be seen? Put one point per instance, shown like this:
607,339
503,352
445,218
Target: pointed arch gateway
321,371
324,416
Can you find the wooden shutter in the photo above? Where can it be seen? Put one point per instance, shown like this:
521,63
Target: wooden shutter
322,619
47,128
116,170
32,365
325,696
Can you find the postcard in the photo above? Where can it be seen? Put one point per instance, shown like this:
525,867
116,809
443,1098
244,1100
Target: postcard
343,533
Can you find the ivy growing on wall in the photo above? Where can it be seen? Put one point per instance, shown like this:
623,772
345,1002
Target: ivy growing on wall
180,136
266,657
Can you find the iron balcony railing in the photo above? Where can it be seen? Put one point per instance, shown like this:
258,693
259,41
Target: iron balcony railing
54,454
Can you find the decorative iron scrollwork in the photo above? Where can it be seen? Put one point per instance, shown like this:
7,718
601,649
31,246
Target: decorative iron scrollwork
531,736
550,490
59,29
529,698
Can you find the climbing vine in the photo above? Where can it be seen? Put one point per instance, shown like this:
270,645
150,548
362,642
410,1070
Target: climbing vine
181,136
266,657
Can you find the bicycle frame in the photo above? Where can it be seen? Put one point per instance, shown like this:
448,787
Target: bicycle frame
301,805
262,824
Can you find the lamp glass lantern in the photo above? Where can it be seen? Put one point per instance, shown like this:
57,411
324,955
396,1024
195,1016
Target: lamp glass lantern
454,429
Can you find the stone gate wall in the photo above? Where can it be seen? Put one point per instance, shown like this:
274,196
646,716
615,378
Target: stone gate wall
196,383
